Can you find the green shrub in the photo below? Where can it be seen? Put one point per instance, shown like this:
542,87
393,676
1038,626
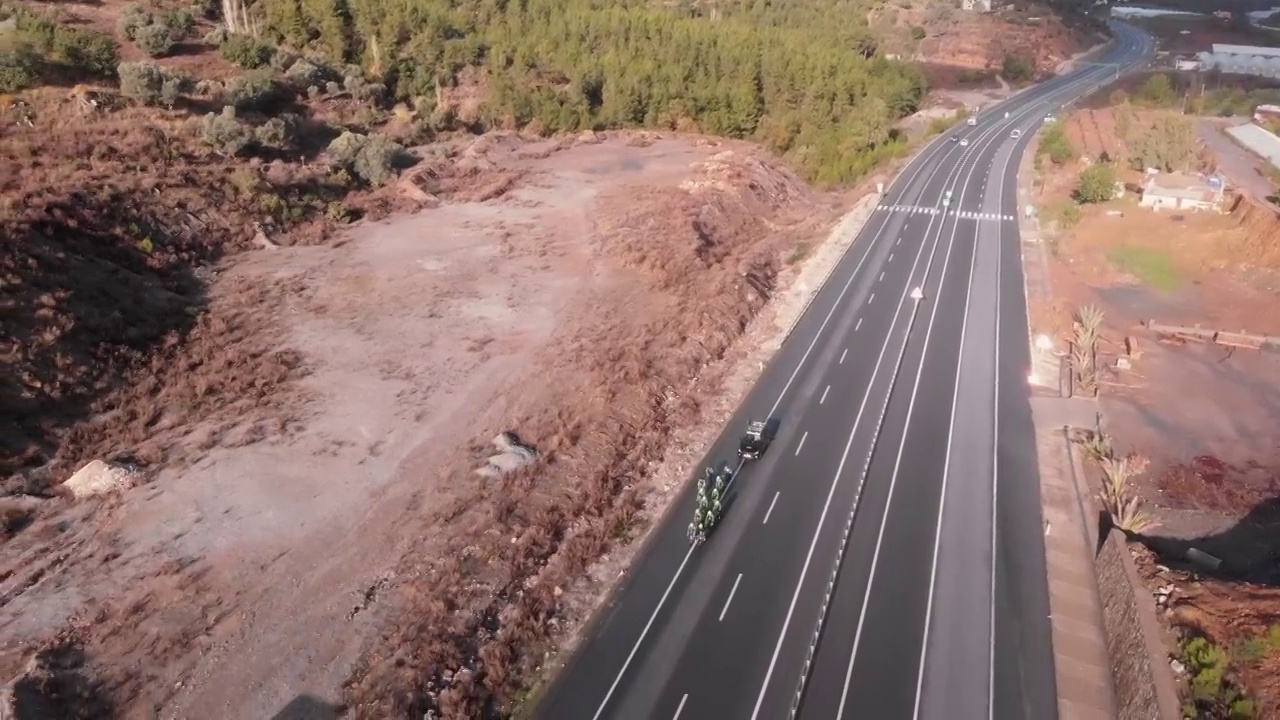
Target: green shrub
1055,144
150,84
141,81
173,87
303,74
376,162
1097,184
371,158
93,52
253,91
224,132
1017,67
245,51
17,67
179,22
89,51
279,133
131,19
153,39
217,36
156,35
918,33
1157,91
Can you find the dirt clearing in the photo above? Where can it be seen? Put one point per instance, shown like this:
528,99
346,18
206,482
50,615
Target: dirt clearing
1203,414
583,294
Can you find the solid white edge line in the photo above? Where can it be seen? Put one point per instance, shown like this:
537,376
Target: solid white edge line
680,707
729,599
770,510
635,648
995,478
801,443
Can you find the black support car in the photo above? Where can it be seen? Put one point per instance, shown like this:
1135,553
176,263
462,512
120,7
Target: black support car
754,441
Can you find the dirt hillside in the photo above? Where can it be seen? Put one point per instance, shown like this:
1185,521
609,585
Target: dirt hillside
979,42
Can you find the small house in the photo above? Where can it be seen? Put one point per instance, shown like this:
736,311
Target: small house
1177,191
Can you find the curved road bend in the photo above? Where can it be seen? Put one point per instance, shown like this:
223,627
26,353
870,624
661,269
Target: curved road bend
884,558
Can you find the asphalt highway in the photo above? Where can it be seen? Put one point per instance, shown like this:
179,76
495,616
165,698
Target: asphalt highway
885,557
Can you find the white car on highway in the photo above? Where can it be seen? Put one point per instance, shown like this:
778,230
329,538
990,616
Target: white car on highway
964,142
1050,119
1015,134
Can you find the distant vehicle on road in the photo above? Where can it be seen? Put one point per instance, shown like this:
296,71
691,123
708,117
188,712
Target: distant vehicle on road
755,440
1015,134
954,138
1050,119
964,142
946,199
971,122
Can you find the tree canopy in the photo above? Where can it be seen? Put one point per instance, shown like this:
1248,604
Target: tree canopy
803,78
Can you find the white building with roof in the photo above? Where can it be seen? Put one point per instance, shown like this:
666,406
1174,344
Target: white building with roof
1242,59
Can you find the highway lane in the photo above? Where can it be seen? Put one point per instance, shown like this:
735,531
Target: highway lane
922,583
1018,533
708,616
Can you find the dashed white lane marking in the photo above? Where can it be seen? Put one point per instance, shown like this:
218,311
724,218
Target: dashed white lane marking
855,327
680,707
871,299
881,276
802,437
846,350
770,510
824,395
723,610
890,257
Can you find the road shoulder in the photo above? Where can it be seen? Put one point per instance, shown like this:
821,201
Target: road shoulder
1082,666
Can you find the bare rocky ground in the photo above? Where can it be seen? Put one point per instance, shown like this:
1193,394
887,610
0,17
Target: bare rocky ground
323,536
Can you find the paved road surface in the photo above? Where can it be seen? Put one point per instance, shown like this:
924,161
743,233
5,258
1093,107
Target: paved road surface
885,557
